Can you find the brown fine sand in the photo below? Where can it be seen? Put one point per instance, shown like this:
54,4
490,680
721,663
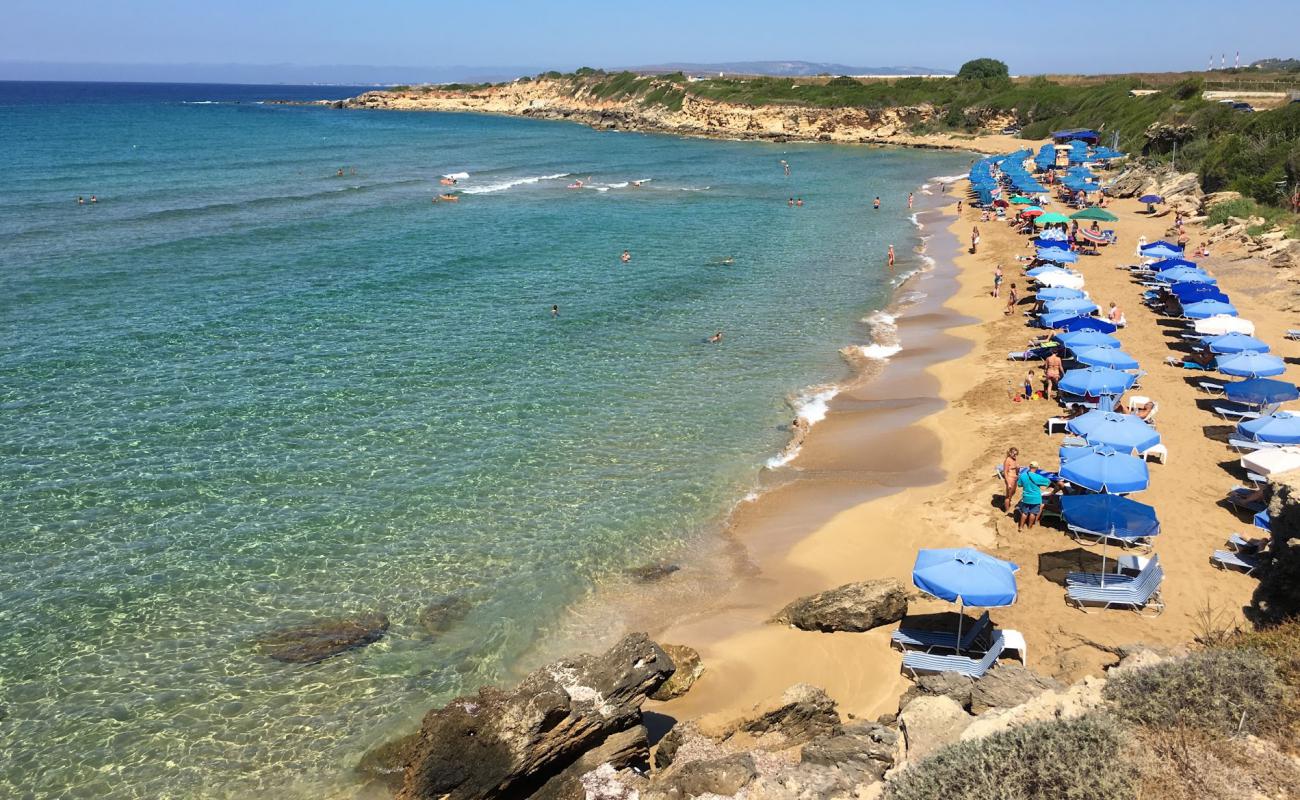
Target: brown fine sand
948,423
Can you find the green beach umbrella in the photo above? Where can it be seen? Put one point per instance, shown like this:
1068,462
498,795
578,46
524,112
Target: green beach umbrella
1050,218
1100,214
1022,201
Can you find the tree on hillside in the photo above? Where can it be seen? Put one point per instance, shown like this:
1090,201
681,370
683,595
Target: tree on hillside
983,69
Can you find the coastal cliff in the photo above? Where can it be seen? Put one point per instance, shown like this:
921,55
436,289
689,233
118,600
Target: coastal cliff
663,108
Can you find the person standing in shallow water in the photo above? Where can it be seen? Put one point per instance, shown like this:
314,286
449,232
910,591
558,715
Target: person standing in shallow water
626,257
909,200
876,204
555,311
891,258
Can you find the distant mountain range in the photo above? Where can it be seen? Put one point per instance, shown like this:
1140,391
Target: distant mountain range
785,69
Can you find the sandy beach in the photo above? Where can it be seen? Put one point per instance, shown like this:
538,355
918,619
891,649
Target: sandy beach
906,460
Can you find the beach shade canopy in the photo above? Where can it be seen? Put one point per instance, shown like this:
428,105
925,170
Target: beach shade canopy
1195,292
1050,218
1261,392
1000,203
1021,200
1250,365
1161,251
1104,357
1151,198
1105,470
1235,343
1068,280
1048,269
1272,460
1170,263
1186,275
1280,428
1204,309
1165,243
1056,255
967,576
1096,381
1086,324
1032,211
1215,326
1121,432
1078,306
1110,514
1099,214
1092,236
1078,340
1060,293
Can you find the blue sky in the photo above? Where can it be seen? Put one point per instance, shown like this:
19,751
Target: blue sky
1127,35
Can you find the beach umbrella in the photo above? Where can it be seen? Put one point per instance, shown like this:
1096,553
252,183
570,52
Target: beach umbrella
1105,470
1096,381
1161,251
967,577
1048,269
1078,340
1186,275
1204,309
1056,255
1195,292
1122,432
1111,516
1032,212
1000,203
1250,365
1235,343
1272,460
1280,428
1099,214
1079,306
1061,278
1054,319
1021,200
1104,357
1050,218
1261,391
1215,326
1092,236
1159,243
1150,199
1170,263
1060,293
1087,324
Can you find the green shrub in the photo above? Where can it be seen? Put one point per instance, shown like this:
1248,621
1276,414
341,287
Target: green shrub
982,69
1241,209
1216,691
843,80
1063,760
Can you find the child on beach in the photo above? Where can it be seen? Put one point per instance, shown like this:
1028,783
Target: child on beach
1029,385
997,279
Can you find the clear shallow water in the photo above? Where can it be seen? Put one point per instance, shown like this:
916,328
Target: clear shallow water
241,392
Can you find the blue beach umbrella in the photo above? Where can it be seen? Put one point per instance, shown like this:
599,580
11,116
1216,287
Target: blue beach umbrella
1096,381
1170,263
1196,292
1250,365
1186,275
1057,255
1122,432
1204,309
1079,306
1110,516
1161,251
1048,269
1235,343
1280,428
967,577
1060,293
1055,319
1086,324
1077,340
1160,243
1104,357
1261,392
1105,470
1151,198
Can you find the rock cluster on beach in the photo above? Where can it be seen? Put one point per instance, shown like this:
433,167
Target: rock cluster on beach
854,607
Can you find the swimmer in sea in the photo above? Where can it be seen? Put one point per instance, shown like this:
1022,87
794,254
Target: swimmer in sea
715,338
909,199
340,173
94,199
626,257
81,201
790,202
876,204
555,311
798,201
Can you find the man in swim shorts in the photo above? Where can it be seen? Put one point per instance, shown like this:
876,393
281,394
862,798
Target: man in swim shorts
1031,486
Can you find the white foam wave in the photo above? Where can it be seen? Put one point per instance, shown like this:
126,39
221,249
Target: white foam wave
904,277
948,178
618,185
695,188
925,186
813,406
780,460
751,496
911,298
880,318
916,221
457,176
501,186
880,352
200,102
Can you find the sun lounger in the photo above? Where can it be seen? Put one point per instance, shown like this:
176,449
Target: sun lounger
1055,423
1236,498
1085,536
1156,453
916,662
1139,593
1293,335
1241,544
1226,559
916,639
1024,355
1247,445
1174,361
1236,412
1210,388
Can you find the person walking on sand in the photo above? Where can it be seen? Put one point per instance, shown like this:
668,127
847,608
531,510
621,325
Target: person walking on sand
626,257
891,258
876,203
974,239
1053,368
1010,473
959,206
997,279
1012,299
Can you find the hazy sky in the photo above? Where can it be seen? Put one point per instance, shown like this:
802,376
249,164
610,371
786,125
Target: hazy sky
1084,36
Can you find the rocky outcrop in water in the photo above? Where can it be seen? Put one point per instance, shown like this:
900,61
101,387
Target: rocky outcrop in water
852,607
317,641
559,723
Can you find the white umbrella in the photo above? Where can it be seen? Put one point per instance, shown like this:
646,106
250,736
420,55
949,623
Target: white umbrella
1272,461
1219,325
1069,280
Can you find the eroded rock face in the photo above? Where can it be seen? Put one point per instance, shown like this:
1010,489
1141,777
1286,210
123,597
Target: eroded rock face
718,776
1007,686
948,684
863,752
317,641
802,713
512,743
852,607
689,668
931,722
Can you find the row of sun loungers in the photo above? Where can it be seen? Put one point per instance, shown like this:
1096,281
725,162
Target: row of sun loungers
1140,592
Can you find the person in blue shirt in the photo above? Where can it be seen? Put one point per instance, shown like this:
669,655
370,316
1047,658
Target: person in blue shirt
1031,485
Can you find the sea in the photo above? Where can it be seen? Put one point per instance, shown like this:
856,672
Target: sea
265,379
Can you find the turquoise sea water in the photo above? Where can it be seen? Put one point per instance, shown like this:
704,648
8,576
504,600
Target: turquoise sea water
241,392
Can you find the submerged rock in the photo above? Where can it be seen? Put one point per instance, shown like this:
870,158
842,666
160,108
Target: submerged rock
650,573
443,614
513,743
689,668
317,641
387,762
852,607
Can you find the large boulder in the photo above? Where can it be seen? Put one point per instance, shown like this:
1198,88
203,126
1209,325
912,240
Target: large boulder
511,743
863,752
688,669
852,607
802,713
948,684
317,641
386,762
723,777
1054,704
1007,686
931,722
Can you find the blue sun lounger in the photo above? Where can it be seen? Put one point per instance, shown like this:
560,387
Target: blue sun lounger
1138,592
1226,559
916,662
918,639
